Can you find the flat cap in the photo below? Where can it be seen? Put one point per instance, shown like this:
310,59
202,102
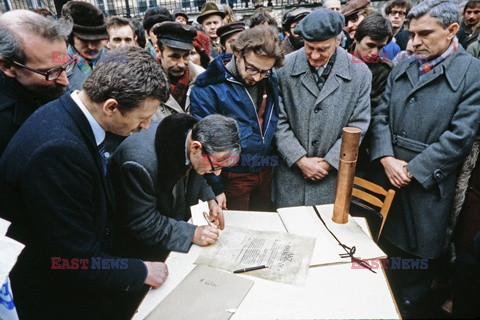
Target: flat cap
175,35
294,15
353,6
224,31
320,25
180,12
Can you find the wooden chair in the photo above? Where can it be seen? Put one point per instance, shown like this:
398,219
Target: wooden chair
368,193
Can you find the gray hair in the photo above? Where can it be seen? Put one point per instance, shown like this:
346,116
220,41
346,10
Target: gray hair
129,75
217,133
16,26
445,11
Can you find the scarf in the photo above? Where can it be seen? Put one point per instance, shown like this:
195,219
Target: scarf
83,63
179,89
321,79
425,67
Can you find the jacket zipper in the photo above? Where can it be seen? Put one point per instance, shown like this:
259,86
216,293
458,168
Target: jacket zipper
255,109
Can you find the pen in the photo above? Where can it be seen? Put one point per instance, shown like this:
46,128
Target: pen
250,269
210,223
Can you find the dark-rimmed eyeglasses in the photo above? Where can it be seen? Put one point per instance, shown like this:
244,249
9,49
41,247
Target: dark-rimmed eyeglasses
354,17
53,73
252,70
393,13
213,169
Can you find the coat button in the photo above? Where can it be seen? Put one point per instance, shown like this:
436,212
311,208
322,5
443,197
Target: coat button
412,100
403,134
107,231
127,288
314,142
438,173
316,110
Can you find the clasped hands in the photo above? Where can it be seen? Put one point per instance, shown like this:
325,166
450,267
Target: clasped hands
313,168
396,171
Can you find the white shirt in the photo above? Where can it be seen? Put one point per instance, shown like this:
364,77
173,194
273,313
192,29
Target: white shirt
98,131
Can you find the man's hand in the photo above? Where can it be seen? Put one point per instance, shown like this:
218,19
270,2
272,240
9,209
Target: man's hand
396,171
314,168
222,200
216,214
205,235
157,273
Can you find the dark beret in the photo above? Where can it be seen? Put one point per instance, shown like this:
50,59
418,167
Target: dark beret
180,12
88,21
175,35
320,25
224,31
353,6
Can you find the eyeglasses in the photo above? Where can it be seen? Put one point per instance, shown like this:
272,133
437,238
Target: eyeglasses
400,13
252,70
354,17
213,169
53,73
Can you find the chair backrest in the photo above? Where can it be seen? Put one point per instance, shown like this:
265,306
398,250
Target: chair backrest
368,192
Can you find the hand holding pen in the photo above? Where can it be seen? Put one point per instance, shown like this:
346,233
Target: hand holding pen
206,235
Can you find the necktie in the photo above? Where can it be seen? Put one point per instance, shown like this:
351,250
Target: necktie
103,156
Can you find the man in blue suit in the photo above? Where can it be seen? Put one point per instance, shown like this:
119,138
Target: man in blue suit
55,191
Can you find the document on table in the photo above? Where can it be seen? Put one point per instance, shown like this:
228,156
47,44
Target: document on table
205,293
286,256
304,221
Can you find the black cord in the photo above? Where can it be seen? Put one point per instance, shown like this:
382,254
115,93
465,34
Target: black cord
349,251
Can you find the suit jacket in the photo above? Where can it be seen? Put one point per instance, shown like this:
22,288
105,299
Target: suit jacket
431,124
53,190
311,121
154,194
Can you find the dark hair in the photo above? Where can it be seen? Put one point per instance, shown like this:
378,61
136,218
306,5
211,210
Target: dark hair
262,41
217,133
43,12
471,4
120,22
376,27
397,3
260,17
156,15
129,75
139,32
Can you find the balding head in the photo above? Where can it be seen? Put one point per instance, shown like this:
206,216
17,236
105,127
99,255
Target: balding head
14,18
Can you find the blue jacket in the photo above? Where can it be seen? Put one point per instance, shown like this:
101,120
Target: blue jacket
217,92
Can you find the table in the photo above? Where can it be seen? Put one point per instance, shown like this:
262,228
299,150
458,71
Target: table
331,292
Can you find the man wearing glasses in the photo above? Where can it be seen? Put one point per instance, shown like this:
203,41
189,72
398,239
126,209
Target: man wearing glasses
396,12
242,86
322,90
31,74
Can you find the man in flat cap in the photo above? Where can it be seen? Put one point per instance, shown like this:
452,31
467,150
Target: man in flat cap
174,43
152,17
322,90
211,18
293,41
85,43
228,33
354,12
181,16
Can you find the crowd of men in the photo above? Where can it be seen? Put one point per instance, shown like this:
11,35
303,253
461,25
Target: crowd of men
257,113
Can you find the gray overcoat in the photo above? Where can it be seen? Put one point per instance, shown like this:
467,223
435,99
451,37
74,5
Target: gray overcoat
431,124
310,123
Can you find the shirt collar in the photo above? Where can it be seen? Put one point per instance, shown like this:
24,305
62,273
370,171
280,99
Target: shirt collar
187,160
98,131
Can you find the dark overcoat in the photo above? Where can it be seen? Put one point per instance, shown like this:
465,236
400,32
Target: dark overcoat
154,192
431,124
53,190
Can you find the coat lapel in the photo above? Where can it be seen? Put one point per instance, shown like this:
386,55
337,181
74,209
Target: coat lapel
83,125
301,68
340,70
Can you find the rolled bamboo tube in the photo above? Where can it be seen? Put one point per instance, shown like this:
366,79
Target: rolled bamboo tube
346,173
